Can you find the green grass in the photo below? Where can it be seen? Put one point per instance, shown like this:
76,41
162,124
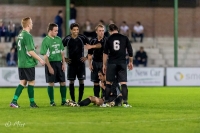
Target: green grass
155,110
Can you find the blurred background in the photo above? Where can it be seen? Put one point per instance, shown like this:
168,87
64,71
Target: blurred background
155,27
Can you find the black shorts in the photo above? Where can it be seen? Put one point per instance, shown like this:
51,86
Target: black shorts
76,70
59,74
97,66
116,70
27,74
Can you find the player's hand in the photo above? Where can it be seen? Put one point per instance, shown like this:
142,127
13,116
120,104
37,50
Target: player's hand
67,60
42,62
36,46
91,67
104,69
63,67
83,59
88,46
51,71
130,66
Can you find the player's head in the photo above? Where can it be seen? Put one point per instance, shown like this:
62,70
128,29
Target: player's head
112,28
60,12
102,76
74,28
27,23
100,30
52,29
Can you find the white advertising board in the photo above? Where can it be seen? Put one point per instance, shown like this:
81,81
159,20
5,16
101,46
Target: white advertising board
146,77
136,77
183,76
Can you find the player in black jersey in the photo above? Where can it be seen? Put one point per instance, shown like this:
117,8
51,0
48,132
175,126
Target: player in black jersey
76,61
114,61
95,57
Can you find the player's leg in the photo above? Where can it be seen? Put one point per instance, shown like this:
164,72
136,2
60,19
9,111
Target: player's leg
30,74
50,79
110,77
71,76
60,77
19,88
85,102
95,78
122,79
81,78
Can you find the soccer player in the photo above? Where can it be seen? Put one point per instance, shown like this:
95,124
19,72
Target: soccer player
52,49
27,60
95,57
115,97
76,61
114,62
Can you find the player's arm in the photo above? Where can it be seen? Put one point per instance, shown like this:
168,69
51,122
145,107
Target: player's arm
90,62
46,59
63,61
88,46
34,55
105,57
130,53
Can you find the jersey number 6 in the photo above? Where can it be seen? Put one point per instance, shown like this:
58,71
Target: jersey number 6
116,45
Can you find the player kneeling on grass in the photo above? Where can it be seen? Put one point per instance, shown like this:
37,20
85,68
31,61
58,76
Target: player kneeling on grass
114,99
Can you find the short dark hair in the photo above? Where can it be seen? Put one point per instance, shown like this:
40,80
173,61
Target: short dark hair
60,11
51,26
100,71
138,22
74,25
112,27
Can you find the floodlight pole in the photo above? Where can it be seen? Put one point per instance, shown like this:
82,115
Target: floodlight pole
67,2
175,33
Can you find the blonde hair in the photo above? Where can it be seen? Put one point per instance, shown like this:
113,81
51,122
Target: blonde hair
25,22
99,25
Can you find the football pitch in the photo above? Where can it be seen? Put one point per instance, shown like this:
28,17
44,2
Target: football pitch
155,110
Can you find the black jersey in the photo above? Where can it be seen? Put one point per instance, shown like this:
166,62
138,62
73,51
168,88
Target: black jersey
115,89
75,47
116,47
97,52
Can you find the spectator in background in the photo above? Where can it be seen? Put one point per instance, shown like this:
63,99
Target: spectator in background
58,20
88,30
106,30
11,58
124,29
3,30
138,31
11,31
14,44
141,57
73,13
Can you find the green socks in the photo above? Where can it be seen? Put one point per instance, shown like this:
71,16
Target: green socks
18,92
30,90
63,91
51,94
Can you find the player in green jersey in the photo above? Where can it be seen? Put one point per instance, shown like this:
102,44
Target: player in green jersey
52,49
27,60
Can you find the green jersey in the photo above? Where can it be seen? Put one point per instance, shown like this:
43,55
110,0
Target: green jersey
24,45
52,47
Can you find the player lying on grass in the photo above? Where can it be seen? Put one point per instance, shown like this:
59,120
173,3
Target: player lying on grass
114,99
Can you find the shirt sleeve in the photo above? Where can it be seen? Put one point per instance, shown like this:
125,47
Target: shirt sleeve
65,41
43,49
129,47
90,51
105,50
29,43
